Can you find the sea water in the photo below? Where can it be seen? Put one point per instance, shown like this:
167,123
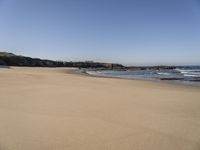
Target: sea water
189,75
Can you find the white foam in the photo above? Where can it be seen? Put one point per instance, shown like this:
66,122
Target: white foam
92,72
163,73
192,75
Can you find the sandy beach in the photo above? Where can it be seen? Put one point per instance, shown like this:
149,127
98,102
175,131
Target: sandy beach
49,109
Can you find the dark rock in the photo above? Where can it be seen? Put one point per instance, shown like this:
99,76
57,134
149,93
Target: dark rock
171,78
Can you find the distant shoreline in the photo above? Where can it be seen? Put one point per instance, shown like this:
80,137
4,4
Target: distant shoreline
10,59
85,73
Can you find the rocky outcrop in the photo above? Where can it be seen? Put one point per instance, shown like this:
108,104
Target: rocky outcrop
151,68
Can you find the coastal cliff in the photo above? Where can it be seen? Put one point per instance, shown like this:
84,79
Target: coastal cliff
10,59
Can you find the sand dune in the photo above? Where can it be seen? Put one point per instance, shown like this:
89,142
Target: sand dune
47,109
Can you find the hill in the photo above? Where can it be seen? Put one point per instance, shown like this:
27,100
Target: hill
10,59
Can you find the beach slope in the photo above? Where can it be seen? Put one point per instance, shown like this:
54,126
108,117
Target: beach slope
50,109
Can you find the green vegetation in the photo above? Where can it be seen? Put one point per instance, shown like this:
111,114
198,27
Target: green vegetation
10,59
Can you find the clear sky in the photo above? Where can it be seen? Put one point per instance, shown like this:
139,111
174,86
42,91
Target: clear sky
132,32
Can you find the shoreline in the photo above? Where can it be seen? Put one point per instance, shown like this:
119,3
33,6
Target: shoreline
84,73
77,71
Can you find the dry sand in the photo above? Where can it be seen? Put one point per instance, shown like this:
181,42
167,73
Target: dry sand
47,109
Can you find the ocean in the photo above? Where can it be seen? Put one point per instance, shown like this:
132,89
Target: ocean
188,75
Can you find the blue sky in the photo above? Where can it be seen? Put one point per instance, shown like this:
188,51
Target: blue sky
132,32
